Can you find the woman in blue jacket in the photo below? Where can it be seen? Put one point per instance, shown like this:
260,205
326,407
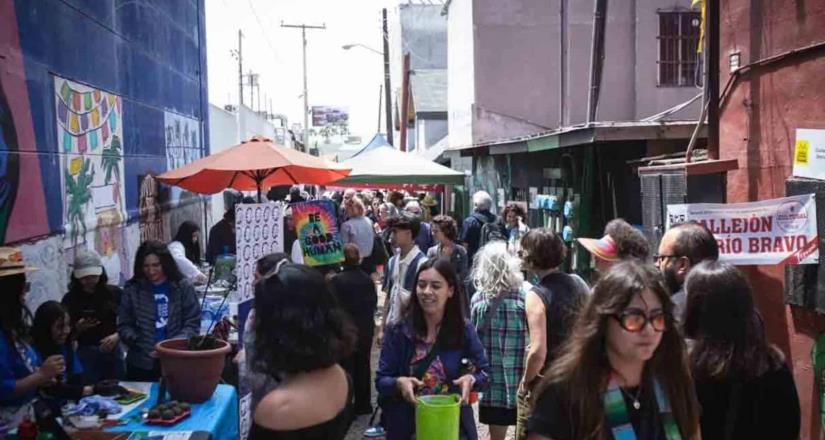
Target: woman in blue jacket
21,370
157,304
423,353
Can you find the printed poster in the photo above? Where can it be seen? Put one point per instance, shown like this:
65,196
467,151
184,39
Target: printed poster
317,229
258,232
89,126
777,231
809,154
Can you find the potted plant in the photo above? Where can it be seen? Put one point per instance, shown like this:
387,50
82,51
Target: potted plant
192,367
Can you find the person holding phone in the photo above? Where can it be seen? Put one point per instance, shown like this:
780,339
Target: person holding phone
92,305
21,370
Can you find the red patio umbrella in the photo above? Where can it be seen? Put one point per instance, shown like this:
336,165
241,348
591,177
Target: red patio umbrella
253,165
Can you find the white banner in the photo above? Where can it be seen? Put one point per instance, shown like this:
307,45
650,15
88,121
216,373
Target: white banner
777,231
258,232
809,154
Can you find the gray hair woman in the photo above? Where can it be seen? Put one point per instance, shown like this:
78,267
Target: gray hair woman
499,315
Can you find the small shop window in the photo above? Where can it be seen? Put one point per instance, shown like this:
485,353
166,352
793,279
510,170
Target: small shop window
679,62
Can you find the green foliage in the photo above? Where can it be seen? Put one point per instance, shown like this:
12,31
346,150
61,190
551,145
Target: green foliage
78,195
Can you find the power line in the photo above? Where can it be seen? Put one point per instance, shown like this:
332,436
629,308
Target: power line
261,26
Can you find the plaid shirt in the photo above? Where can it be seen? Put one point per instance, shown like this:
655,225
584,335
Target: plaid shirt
504,340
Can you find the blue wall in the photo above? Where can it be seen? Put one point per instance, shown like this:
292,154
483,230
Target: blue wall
152,53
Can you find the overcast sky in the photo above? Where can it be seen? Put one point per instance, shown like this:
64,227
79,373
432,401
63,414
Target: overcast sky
337,77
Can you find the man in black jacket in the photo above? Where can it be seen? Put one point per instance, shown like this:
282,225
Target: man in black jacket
357,295
222,237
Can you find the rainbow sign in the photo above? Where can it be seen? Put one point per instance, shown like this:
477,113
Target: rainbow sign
316,224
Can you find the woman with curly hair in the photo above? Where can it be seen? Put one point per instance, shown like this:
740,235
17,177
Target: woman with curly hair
624,373
514,215
498,313
300,343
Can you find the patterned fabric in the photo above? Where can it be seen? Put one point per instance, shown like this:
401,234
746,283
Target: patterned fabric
435,377
504,340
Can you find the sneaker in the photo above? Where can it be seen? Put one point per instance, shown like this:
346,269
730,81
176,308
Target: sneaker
375,431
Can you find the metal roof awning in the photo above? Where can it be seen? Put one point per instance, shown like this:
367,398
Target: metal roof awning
584,134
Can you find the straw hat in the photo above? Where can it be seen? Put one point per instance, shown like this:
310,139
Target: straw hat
604,248
429,201
11,262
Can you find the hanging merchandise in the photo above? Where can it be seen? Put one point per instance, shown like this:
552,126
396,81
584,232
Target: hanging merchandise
567,234
569,210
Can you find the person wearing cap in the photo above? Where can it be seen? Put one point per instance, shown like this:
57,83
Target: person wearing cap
22,371
92,305
621,241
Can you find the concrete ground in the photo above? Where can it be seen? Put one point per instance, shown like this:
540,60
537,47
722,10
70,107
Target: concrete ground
361,423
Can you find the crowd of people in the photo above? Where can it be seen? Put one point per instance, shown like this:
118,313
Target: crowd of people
664,345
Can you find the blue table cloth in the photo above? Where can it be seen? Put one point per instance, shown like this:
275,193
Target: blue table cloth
218,415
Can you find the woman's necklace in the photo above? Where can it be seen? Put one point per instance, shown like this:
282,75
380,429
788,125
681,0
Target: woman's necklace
635,399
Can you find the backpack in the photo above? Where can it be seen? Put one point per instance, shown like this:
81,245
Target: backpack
490,231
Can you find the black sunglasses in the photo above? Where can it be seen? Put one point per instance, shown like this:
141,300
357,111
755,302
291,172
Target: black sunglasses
635,320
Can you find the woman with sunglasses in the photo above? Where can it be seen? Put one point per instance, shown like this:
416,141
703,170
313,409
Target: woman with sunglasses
624,372
743,383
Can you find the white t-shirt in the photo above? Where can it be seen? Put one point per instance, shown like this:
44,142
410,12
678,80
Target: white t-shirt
186,267
398,295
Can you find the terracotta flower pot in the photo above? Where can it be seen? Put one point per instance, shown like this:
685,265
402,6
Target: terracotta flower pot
191,376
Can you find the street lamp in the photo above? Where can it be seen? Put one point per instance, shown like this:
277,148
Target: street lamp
350,46
385,38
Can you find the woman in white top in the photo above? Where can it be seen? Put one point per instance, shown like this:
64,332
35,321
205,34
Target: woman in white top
186,250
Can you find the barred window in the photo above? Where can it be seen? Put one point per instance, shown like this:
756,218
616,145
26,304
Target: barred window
679,63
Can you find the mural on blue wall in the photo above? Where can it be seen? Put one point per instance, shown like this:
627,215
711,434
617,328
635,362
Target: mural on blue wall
89,132
9,163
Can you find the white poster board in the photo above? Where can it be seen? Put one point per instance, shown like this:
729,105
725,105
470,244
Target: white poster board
777,231
258,232
809,154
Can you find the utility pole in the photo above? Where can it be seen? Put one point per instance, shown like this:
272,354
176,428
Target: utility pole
385,37
238,54
304,28
596,57
380,95
252,79
712,85
405,103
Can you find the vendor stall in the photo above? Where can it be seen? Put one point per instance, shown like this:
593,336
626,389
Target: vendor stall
215,419
386,167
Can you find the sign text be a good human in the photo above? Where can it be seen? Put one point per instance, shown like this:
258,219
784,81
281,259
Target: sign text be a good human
317,229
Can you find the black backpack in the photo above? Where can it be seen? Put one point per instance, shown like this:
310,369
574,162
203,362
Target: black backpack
490,231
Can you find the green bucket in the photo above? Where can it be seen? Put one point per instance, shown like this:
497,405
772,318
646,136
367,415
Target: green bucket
437,417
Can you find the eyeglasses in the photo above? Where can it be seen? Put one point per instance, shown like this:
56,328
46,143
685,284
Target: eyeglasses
659,257
635,320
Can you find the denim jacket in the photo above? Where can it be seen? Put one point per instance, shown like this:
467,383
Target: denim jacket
396,355
136,318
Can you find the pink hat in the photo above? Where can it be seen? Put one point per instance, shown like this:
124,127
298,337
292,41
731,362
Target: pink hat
604,248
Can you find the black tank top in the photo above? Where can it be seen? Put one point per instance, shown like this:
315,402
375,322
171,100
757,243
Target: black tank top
563,297
333,429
